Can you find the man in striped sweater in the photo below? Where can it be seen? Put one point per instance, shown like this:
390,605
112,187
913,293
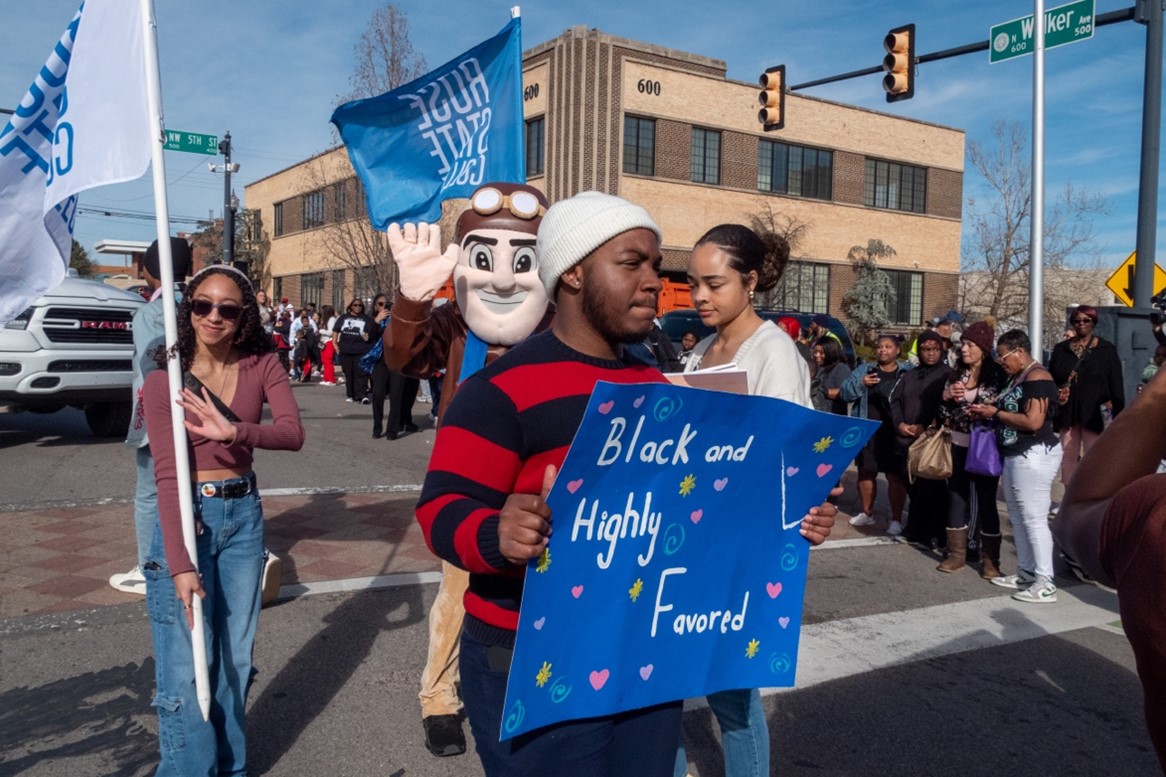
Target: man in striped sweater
483,505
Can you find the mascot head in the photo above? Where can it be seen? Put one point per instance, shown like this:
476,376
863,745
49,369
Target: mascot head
496,278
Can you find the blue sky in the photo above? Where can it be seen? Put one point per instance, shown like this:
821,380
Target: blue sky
270,71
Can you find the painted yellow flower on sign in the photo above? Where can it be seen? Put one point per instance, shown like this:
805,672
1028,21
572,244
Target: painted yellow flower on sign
687,485
636,589
544,561
751,650
821,445
543,675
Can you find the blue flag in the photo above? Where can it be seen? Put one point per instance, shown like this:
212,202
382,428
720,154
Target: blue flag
442,135
676,567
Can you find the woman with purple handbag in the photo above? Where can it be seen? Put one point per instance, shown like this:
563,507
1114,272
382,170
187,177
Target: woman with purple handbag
971,502
1023,413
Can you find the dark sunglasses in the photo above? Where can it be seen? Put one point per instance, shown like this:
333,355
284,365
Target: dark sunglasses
229,311
1082,321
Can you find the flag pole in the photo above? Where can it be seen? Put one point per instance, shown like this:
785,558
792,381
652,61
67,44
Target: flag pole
173,367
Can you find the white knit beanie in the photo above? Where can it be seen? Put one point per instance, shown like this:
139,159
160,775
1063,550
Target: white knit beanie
574,227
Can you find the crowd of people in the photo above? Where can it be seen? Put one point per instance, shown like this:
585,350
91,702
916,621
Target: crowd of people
578,283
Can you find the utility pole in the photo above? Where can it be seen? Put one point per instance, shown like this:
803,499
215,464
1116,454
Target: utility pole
1149,13
228,212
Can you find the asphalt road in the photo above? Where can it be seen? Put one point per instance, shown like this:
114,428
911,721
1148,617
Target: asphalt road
902,671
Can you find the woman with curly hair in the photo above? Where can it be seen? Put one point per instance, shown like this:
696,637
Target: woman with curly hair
221,346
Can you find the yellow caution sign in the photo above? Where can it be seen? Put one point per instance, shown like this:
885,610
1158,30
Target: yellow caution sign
1121,283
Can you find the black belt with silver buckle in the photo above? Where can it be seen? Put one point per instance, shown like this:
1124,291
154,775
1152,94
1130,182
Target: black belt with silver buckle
230,489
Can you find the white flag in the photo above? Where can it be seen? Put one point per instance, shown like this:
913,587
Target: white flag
83,123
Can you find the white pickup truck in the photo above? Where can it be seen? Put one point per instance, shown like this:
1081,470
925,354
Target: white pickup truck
72,347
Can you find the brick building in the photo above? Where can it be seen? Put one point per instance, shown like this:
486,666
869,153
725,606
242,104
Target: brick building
667,130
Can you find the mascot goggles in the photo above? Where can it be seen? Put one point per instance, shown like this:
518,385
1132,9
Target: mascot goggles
489,201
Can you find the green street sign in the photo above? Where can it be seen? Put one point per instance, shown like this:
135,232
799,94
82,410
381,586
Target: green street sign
1067,23
191,142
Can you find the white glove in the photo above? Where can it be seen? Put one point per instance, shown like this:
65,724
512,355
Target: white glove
423,267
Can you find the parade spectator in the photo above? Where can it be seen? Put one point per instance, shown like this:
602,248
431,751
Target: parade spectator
791,327
1032,453
281,337
729,264
492,257
149,333
944,326
304,346
687,343
971,497
1112,522
400,390
870,388
599,256
221,343
914,408
328,351
820,327
1088,374
353,336
832,372
266,314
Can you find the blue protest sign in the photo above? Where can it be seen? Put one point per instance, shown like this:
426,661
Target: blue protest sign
675,567
441,135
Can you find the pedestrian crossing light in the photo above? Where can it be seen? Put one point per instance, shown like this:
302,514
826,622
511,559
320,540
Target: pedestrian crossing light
899,63
772,98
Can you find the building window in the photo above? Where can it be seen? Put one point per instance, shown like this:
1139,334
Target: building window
706,156
312,288
313,209
278,226
906,309
895,186
276,287
639,145
536,140
338,297
341,198
786,169
805,286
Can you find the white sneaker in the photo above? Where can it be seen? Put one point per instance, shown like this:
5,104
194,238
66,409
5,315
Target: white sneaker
1020,580
862,519
349,399
1042,591
327,383
895,529
132,582
272,575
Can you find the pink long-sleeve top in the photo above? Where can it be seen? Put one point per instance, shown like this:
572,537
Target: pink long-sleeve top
261,378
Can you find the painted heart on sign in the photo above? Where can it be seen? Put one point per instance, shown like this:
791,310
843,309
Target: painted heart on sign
639,401
599,679
791,471
823,469
606,407
696,516
577,591
784,621
720,484
646,671
573,486
773,589
539,623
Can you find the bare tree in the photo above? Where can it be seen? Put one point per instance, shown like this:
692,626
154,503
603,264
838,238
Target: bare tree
768,224
997,251
385,57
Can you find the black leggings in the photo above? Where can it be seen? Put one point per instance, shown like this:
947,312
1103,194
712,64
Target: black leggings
971,498
401,392
355,379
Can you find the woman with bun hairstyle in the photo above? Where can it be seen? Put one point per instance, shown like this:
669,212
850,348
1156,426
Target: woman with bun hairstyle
729,264
229,360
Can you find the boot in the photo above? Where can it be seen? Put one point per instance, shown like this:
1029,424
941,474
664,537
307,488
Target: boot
957,550
990,556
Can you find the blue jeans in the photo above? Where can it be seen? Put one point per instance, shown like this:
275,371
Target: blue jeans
744,734
145,503
639,743
230,562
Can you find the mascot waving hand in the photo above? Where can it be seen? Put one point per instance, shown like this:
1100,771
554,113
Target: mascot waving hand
499,302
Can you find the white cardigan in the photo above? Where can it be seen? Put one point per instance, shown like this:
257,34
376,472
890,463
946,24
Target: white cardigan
771,361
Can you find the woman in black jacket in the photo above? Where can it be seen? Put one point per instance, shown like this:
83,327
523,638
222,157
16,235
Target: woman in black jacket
914,408
1087,371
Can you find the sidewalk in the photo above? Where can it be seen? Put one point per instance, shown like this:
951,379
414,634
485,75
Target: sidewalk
60,559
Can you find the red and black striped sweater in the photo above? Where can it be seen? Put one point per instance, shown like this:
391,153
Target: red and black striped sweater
507,422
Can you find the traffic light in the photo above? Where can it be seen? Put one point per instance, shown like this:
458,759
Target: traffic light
899,63
772,98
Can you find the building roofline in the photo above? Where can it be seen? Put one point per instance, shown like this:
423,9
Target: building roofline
582,31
